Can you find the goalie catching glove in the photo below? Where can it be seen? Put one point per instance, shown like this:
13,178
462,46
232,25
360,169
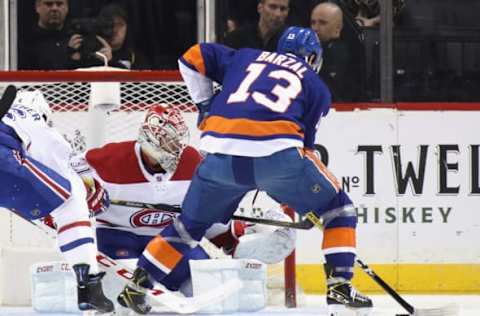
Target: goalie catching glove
268,244
97,197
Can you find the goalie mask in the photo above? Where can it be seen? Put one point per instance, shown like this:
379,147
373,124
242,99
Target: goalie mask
163,136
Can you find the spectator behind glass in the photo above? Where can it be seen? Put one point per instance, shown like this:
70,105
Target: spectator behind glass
48,47
342,58
124,55
55,44
232,24
367,12
264,34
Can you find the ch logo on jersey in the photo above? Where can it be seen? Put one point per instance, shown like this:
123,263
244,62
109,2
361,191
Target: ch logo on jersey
151,218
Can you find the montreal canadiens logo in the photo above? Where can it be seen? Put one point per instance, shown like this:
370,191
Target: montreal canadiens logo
151,218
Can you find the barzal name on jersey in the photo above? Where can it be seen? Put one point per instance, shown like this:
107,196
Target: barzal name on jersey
268,102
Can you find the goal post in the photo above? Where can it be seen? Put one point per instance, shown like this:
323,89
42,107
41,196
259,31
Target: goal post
71,98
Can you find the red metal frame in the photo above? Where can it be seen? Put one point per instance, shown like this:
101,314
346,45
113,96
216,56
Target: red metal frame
89,75
174,75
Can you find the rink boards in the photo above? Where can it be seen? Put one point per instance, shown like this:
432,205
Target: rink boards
414,178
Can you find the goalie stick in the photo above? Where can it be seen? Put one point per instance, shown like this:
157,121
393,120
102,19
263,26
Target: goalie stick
440,311
305,224
8,96
159,294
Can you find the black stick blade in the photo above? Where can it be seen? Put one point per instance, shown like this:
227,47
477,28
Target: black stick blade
7,99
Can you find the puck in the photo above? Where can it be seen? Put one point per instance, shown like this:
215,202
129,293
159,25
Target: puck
402,314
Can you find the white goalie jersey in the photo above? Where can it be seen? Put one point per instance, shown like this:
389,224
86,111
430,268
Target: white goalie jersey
119,168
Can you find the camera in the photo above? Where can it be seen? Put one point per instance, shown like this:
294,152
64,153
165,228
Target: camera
89,28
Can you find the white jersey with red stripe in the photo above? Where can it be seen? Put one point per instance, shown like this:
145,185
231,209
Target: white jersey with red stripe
45,145
43,142
120,170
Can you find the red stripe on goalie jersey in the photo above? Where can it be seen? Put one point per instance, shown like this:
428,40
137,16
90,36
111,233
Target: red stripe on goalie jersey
189,160
108,159
118,163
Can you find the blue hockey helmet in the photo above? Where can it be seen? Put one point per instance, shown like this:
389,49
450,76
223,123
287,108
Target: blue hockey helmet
302,42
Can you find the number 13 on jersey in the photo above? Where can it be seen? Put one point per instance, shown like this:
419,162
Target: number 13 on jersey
284,93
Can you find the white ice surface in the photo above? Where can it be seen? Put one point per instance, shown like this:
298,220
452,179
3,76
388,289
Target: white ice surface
469,305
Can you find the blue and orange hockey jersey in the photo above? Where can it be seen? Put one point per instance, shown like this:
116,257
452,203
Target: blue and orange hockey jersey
268,101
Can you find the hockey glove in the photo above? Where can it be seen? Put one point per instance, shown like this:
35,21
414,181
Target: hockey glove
227,240
203,111
97,197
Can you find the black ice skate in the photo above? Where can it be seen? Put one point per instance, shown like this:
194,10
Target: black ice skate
341,295
89,290
344,293
133,295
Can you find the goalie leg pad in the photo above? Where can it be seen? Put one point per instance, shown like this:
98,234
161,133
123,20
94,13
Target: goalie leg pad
54,288
208,274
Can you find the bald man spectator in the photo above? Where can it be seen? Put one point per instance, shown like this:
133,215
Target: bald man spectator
342,68
327,21
265,33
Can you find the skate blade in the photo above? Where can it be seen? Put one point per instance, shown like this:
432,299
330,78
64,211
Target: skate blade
342,310
97,313
449,310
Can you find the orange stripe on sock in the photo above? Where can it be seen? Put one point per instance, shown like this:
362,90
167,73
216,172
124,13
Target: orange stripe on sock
163,252
339,237
195,58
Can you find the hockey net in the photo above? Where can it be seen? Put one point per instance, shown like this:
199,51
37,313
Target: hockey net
70,95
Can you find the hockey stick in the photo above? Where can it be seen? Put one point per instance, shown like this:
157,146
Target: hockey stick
441,311
305,224
7,99
159,294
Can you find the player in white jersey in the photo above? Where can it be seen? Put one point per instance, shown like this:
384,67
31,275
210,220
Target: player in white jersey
37,180
157,169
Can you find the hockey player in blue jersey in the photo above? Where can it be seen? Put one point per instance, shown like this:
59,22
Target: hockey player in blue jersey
37,180
258,133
